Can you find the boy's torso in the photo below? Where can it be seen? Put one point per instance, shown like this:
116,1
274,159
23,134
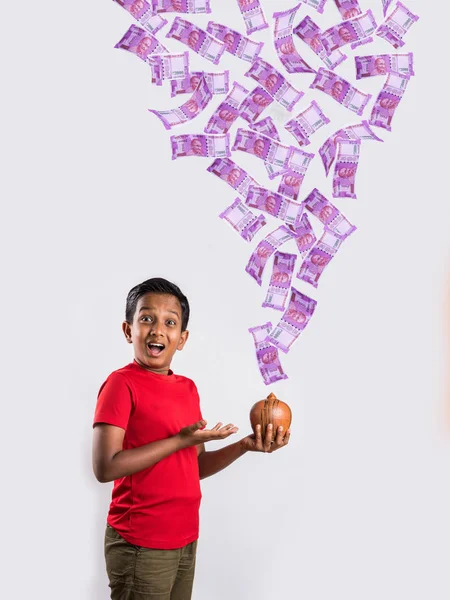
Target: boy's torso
158,507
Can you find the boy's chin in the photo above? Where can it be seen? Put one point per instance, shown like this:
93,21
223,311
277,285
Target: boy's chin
154,360
160,362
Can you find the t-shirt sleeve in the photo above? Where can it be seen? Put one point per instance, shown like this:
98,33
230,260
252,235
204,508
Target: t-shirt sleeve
114,402
197,401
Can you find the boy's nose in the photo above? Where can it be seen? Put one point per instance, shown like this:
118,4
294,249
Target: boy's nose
156,329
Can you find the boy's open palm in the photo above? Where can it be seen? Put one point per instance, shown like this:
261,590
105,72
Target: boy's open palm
196,434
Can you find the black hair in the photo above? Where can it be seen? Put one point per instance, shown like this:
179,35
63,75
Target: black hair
156,285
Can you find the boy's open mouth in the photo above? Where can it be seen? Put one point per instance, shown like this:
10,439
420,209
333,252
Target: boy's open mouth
155,349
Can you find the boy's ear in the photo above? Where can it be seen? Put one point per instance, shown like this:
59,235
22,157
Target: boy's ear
183,339
126,328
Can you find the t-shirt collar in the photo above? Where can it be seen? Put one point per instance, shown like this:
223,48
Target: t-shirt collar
169,377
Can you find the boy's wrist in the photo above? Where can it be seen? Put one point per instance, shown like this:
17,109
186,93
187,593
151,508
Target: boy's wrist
242,447
181,442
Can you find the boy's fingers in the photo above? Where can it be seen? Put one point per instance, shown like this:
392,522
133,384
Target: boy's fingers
199,425
268,437
227,427
227,430
258,437
279,438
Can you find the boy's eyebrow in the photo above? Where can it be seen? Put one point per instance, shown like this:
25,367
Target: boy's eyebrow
150,308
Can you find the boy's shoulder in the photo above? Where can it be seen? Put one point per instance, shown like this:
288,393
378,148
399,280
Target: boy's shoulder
125,370
122,372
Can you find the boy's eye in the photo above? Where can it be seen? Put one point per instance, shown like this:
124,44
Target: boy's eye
171,322
146,318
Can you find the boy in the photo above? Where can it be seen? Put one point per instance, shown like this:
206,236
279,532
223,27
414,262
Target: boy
149,438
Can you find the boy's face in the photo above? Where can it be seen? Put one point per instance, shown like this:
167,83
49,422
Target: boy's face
156,331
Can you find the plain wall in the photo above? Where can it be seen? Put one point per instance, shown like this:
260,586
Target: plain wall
357,506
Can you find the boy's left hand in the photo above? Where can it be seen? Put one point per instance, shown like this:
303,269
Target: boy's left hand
255,443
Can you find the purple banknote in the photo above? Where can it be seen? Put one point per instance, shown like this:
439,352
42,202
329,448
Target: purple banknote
266,127
218,83
293,174
275,83
290,184
382,64
305,238
284,43
169,66
350,31
228,111
243,220
363,42
138,41
341,90
231,173
348,8
267,355
198,40
298,162
386,5
292,156
345,168
319,257
262,147
187,111
143,12
181,6
280,280
254,104
388,99
307,122
360,131
236,43
319,5
296,317
265,249
274,204
328,214
396,25
308,31
253,15
206,146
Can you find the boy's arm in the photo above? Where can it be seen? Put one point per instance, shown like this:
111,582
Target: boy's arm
111,462
210,463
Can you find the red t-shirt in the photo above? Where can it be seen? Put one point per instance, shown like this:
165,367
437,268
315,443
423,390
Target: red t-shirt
159,506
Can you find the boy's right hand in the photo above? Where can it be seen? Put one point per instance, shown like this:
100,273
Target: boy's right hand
196,434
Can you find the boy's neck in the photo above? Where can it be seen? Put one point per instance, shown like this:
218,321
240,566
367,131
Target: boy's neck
162,371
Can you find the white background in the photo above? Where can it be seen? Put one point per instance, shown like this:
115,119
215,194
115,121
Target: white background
357,506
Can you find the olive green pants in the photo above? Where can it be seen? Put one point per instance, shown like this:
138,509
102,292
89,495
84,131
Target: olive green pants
137,573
